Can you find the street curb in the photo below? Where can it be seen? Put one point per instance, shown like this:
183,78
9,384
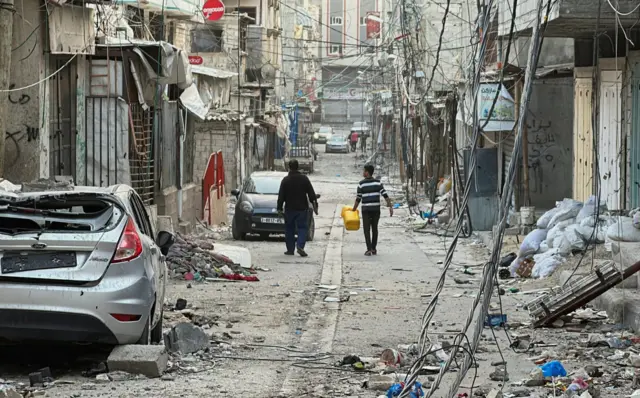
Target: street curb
320,329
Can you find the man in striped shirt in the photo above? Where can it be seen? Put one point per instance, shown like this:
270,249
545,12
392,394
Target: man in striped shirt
369,192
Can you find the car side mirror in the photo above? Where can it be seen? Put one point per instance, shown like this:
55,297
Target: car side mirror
235,192
317,196
164,241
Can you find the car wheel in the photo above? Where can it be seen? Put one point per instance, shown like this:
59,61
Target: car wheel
235,233
312,230
156,333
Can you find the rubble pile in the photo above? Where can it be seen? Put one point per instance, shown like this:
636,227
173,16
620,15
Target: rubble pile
194,259
569,228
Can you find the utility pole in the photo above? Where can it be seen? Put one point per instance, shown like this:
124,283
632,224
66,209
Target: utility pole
6,36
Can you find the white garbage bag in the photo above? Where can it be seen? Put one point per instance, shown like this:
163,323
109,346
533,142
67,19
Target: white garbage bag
558,230
623,230
531,242
562,244
575,238
568,209
589,209
543,221
543,247
515,265
546,263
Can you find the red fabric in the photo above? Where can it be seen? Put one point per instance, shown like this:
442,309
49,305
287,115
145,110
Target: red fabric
238,277
354,137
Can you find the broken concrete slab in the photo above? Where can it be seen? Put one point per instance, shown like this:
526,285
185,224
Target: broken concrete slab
186,338
9,392
148,360
380,382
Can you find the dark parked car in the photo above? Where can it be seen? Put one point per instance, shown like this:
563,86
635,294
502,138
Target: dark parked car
255,211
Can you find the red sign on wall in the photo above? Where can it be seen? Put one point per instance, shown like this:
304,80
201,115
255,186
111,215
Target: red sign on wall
195,60
373,25
213,10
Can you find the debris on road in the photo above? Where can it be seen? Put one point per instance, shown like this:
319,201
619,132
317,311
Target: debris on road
195,260
147,360
186,338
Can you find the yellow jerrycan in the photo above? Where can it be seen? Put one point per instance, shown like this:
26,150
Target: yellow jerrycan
351,220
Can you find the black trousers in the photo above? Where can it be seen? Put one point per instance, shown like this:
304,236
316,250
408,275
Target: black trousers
370,221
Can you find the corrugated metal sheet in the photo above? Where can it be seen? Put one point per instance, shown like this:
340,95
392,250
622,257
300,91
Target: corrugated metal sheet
634,182
583,134
610,139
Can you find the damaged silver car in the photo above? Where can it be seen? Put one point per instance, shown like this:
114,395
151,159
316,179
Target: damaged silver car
80,265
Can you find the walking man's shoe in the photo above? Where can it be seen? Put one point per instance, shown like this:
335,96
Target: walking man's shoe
302,253
289,253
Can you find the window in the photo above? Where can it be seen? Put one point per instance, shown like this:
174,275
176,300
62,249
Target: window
140,214
335,20
206,41
335,49
363,21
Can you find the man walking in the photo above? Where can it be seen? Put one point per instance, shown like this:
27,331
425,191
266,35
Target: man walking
369,192
294,196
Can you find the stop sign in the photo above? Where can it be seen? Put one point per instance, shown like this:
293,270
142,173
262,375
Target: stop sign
213,10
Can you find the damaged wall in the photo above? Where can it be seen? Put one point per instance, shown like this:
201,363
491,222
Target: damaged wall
550,139
211,137
26,151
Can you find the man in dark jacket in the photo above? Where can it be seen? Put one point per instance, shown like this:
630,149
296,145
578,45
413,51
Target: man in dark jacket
294,196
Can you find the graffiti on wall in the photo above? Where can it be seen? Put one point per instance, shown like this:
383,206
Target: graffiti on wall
545,151
24,98
27,133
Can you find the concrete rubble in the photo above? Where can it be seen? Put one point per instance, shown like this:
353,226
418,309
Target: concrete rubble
148,360
186,338
194,258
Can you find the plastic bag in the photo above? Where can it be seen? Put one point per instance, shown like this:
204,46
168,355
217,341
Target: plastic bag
546,263
531,242
558,229
543,247
515,265
589,209
568,209
553,369
543,221
623,231
636,219
562,244
575,239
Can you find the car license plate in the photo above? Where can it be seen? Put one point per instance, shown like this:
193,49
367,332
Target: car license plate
28,261
272,220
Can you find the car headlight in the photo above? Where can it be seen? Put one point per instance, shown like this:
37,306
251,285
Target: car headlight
246,207
315,136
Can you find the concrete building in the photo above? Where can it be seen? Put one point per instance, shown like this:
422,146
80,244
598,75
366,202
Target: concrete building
349,50
302,46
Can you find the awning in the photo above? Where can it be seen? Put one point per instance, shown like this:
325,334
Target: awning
212,72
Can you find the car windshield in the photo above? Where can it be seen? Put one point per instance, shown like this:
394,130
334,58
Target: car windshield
324,130
263,185
337,139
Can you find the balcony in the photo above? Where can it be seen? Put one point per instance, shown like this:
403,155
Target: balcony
179,9
568,18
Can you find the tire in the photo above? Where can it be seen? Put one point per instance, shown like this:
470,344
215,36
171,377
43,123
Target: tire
312,230
237,235
156,333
